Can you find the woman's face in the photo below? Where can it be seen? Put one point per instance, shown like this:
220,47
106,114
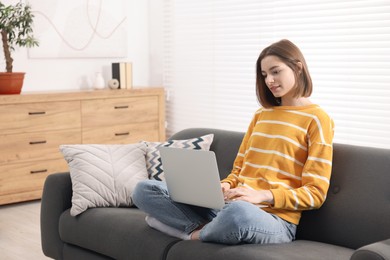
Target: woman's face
279,78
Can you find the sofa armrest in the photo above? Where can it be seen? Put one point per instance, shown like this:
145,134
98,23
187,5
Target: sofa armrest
376,251
56,198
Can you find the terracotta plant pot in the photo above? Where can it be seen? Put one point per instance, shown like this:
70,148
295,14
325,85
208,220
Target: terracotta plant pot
11,83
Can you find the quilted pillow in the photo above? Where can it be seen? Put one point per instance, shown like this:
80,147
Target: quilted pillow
153,158
104,175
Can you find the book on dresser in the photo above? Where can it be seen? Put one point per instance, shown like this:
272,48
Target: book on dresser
34,125
123,72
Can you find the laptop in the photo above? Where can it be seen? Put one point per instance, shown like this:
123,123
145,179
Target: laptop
192,177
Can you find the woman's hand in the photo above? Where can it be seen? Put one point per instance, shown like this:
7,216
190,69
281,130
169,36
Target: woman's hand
225,187
249,195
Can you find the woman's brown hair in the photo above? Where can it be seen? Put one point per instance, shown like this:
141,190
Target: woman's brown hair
289,54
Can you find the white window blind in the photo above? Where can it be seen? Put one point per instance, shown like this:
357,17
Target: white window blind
211,47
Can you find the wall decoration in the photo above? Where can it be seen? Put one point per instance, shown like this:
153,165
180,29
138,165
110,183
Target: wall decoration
80,29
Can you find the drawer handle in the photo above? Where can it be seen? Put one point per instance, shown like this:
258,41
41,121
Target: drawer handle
38,142
119,134
36,113
121,107
38,171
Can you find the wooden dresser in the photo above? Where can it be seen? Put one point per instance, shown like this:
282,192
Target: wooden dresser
33,125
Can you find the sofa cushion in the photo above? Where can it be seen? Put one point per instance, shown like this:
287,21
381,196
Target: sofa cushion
74,252
355,204
153,158
298,250
119,233
104,175
225,145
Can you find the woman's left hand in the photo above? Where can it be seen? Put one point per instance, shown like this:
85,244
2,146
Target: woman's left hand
249,195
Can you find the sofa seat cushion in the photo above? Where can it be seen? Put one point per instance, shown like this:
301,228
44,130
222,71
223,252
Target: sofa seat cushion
299,249
119,233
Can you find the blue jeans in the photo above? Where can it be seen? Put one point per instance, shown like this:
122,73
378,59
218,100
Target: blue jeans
238,222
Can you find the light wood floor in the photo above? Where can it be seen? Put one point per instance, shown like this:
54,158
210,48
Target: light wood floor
20,236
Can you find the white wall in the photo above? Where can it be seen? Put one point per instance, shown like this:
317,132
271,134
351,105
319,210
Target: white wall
78,73
156,49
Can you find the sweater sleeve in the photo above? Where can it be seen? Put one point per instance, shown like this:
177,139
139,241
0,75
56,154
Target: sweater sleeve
233,178
316,171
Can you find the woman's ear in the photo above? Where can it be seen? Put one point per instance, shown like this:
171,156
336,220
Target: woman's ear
300,67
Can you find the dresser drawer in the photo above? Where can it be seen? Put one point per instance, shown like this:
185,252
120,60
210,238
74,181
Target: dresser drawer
34,117
121,134
26,177
108,112
36,146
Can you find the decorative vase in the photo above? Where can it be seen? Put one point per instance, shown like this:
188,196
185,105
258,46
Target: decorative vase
99,81
11,82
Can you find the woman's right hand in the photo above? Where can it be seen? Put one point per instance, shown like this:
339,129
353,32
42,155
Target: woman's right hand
225,187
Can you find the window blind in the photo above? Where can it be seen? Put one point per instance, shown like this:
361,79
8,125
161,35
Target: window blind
211,47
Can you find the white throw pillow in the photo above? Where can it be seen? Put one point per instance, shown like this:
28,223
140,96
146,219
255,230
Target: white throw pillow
153,158
104,175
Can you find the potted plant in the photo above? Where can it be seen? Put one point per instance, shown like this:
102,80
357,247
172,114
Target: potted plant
16,30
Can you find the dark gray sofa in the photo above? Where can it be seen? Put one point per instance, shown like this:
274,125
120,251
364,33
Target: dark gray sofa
354,222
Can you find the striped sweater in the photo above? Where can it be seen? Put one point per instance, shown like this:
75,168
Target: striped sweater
287,150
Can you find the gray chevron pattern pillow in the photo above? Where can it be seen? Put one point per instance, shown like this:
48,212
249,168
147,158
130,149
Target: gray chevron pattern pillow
104,175
153,158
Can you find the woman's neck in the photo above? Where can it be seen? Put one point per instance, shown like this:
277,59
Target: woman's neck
302,101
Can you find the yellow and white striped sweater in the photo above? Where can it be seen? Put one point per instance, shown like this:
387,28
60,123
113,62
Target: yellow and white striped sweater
287,150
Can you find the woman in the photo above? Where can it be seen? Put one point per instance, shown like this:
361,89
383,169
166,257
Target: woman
283,164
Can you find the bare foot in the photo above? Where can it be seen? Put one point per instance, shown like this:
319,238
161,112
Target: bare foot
195,235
